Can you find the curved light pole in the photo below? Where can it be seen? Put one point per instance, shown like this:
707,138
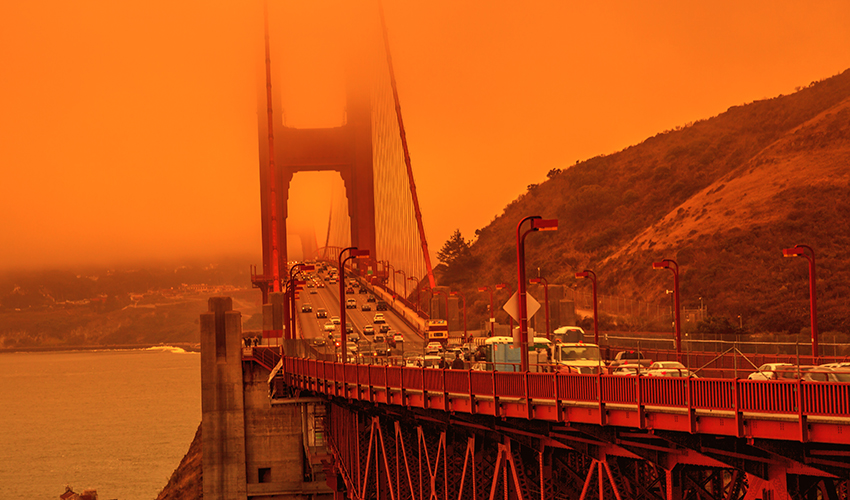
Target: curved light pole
403,282
387,265
537,224
492,318
290,286
587,273
674,268
462,296
353,253
505,286
537,281
418,289
807,252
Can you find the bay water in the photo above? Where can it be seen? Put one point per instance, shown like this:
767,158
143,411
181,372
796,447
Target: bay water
118,421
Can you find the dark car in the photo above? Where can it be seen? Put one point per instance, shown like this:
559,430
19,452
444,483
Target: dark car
321,313
305,308
348,328
371,298
349,290
363,290
381,306
382,350
384,328
366,307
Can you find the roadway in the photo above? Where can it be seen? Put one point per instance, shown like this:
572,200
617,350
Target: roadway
311,327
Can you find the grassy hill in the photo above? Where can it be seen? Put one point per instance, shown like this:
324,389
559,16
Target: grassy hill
722,196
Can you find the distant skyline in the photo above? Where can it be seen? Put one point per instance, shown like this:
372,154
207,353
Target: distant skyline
128,131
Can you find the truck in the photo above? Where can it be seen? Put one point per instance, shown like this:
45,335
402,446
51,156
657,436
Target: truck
577,357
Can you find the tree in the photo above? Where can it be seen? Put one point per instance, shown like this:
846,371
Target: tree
455,249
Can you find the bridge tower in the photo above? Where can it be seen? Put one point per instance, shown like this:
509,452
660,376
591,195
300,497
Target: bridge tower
284,151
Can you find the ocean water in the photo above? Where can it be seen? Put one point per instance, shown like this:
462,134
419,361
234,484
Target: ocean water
116,421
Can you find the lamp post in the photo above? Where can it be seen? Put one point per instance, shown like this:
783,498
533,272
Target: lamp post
353,253
462,296
587,273
291,287
504,286
537,224
672,306
403,282
492,319
418,289
387,265
674,268
807,252
537,281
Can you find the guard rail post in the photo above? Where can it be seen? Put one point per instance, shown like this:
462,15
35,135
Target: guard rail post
640,408
496,407
739,415
692,417
599,394
804,425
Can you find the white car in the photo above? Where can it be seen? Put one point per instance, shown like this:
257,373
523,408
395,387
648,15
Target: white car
668,365
379,318
433,348
330,327
772,371
335,320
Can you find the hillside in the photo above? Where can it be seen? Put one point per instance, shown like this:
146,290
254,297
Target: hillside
722,196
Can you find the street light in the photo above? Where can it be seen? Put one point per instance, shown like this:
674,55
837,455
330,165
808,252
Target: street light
672,306
674,268
504,286
537,224
805,251
403,282
418,289
587,273
354,253
492,319
386,266
537,281
462,296
291,284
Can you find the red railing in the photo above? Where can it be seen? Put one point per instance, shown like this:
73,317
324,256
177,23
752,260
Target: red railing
788,397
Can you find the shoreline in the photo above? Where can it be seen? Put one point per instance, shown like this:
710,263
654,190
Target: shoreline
186,346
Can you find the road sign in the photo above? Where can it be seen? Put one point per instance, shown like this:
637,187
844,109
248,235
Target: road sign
512,306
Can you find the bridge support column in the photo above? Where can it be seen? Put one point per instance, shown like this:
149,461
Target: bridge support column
673,481
222,410
275,316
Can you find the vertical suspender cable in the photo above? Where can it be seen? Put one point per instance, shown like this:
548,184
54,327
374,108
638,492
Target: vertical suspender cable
272,178
422,239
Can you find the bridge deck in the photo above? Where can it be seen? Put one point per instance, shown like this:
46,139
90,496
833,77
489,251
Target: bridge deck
797,410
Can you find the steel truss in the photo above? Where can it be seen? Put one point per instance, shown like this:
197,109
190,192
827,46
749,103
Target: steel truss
383,453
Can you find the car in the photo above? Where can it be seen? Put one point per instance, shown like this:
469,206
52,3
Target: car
382,350
319,342
362,291
773,371
369,330
397,337
349,290
335,320
832,372
330,327
433,348
349,328
353,337
381,306
631,369
354,284
321,313
670,372
313,291
379,318
371,298
423,361
321,284
306,308
366,307
350,304
310,284
384,328
379,337
668,365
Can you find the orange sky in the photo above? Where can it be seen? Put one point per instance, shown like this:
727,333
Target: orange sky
128,129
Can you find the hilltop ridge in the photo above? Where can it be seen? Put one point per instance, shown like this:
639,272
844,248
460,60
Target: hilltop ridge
722,196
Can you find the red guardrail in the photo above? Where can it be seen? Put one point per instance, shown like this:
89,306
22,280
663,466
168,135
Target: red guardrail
802,398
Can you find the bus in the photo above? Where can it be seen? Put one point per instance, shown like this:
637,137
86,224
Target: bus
437,330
